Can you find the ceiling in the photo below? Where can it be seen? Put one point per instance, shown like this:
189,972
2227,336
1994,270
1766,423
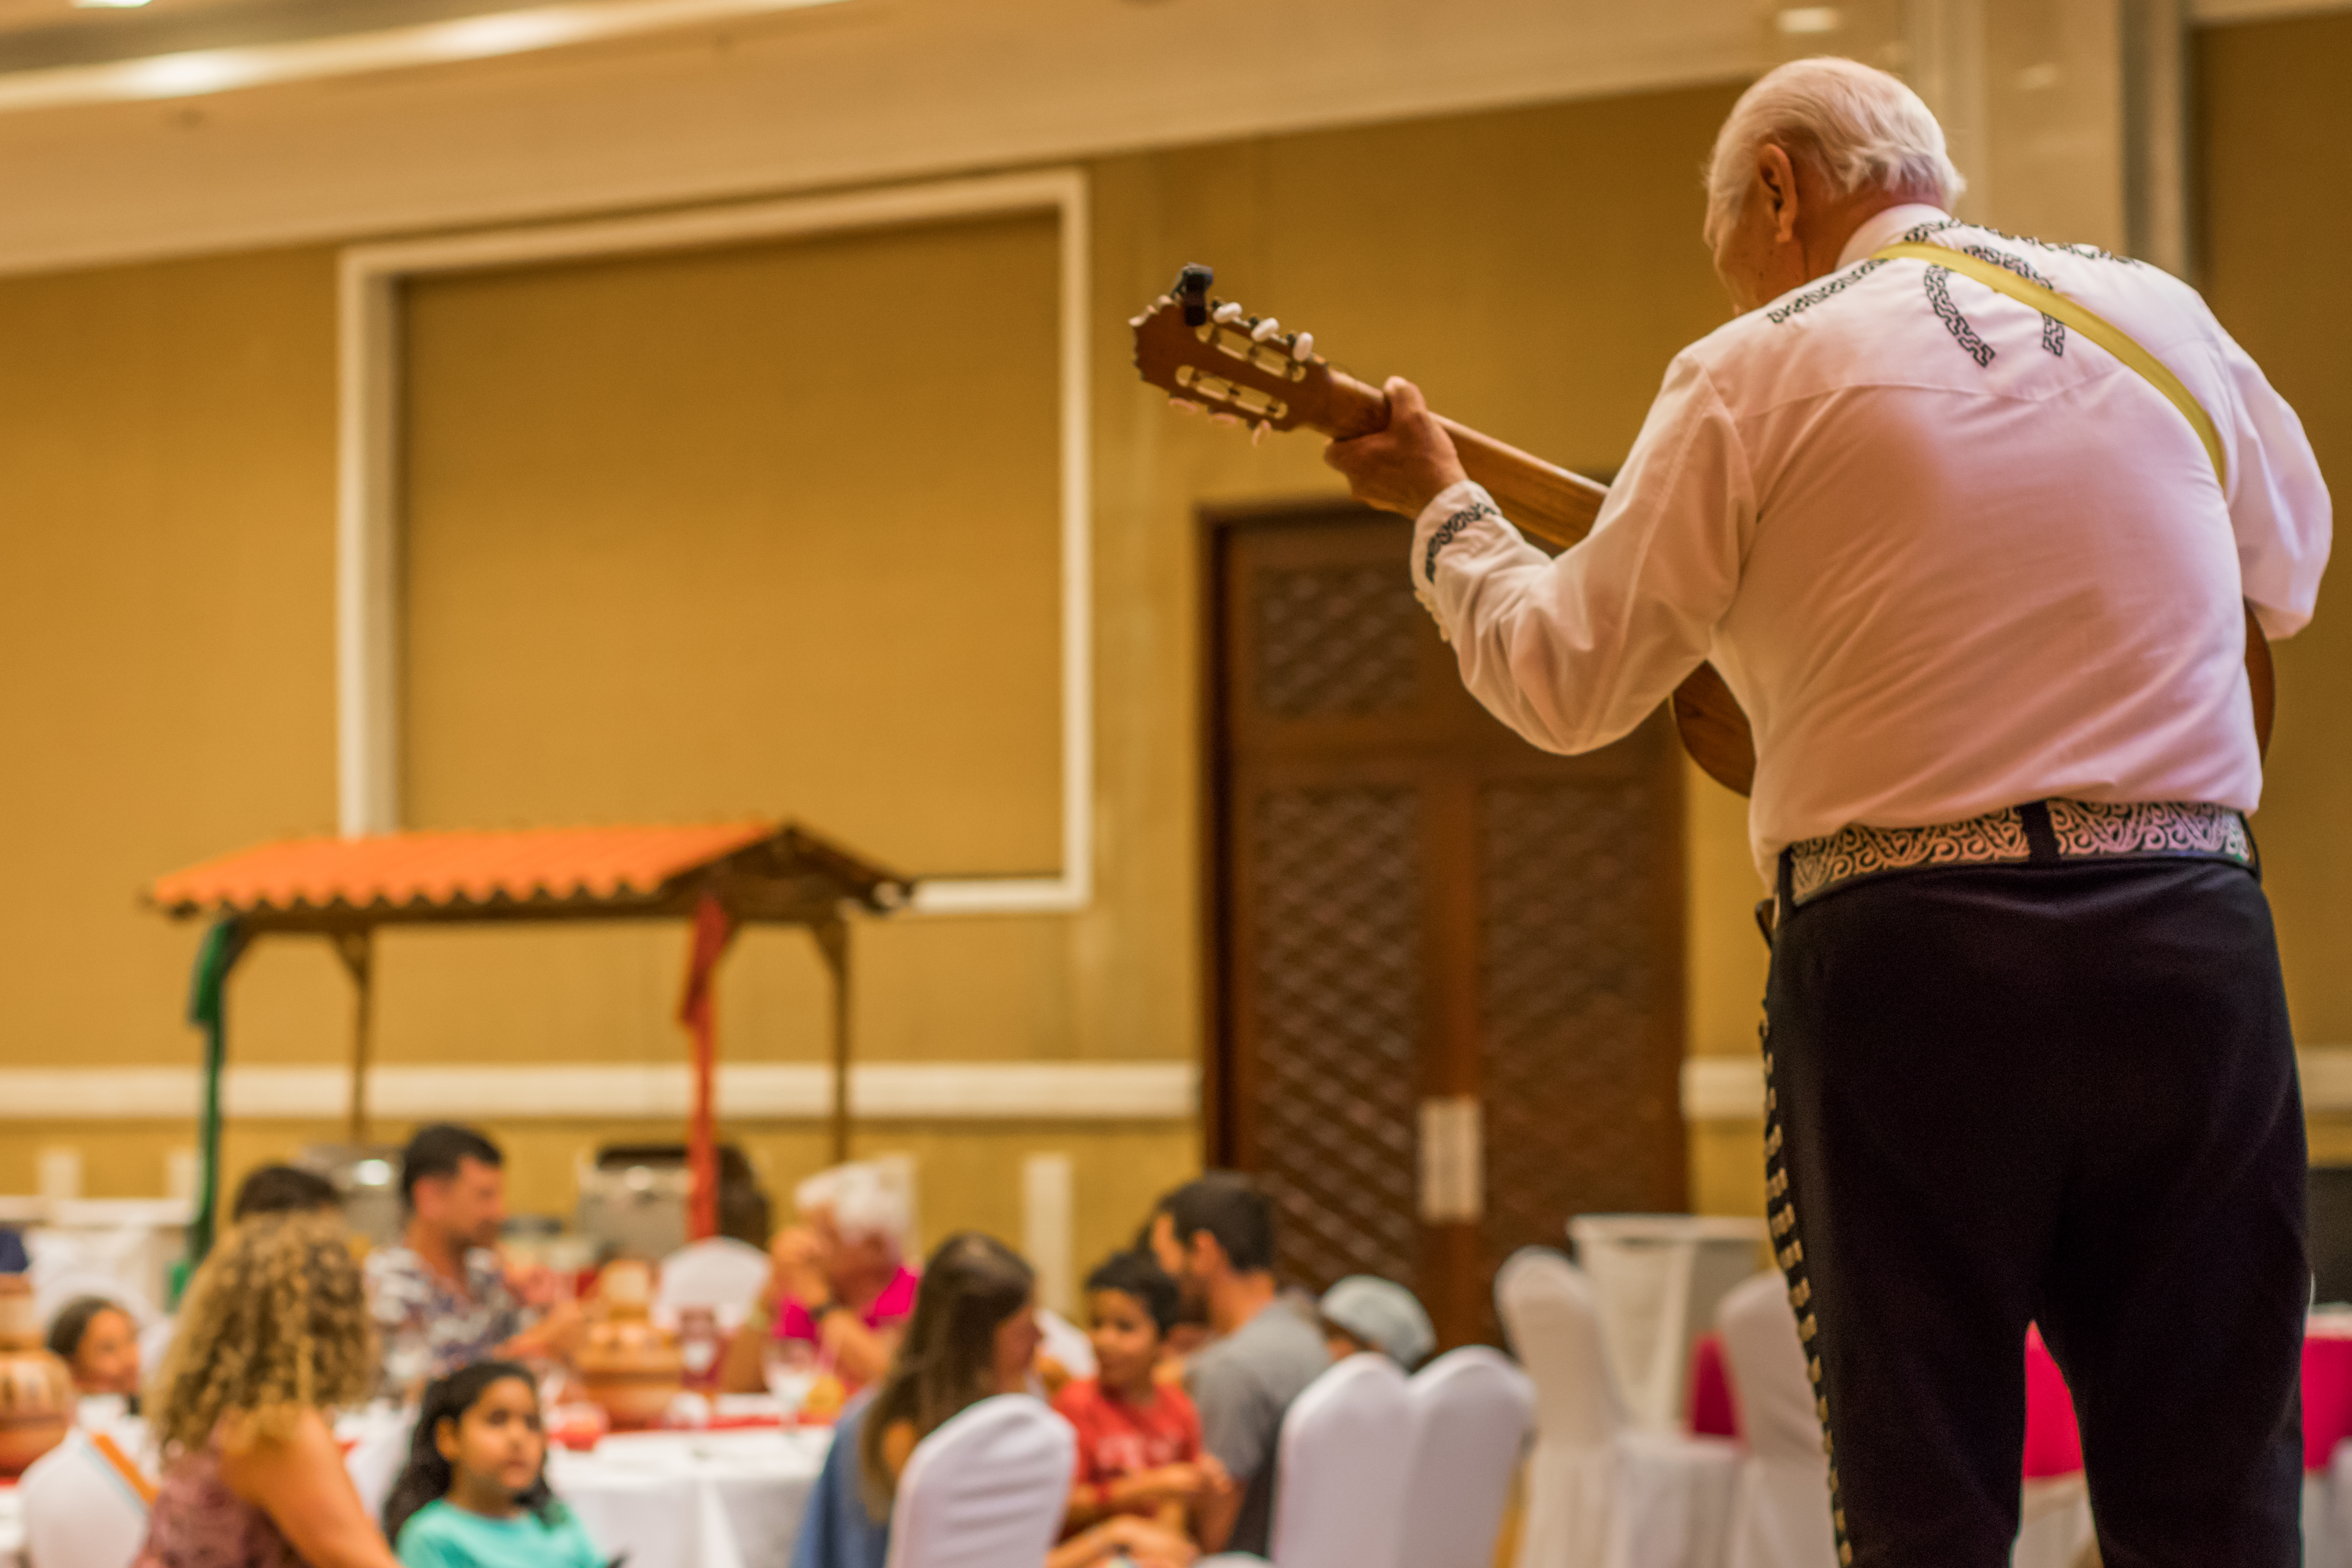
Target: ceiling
42,34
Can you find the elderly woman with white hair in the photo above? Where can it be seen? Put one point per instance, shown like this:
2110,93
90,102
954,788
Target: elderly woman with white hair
839,1282
1965,520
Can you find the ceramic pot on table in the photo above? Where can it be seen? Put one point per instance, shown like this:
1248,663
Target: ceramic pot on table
627,1363
37,1390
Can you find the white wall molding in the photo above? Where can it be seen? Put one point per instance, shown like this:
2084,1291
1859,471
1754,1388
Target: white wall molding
1731,1088
2204,11
368,591
789,1091
828,98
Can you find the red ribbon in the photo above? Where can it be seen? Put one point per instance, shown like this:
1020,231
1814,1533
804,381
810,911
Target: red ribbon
714,928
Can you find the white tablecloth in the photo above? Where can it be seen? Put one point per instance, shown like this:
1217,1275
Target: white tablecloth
716,1499
12,1528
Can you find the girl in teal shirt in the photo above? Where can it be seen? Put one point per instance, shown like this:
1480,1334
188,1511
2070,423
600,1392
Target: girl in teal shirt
475,1492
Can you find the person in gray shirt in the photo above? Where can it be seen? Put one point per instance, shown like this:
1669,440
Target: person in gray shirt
1216,1236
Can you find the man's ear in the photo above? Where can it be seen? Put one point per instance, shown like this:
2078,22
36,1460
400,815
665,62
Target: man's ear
1209,1253
1779,178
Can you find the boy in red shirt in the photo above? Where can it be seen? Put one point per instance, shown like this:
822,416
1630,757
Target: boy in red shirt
1138,1439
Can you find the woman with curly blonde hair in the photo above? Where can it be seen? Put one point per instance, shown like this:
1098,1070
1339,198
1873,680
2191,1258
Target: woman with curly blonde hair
274,1335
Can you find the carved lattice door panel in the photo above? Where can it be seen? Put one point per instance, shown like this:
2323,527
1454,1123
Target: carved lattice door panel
1448,964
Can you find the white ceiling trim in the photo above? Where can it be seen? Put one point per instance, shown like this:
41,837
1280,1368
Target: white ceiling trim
788,1091
852,94
193,73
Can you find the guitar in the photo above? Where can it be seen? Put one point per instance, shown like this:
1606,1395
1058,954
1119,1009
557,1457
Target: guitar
1209,354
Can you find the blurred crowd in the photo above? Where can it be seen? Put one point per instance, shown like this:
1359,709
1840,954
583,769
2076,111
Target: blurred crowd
1176,1387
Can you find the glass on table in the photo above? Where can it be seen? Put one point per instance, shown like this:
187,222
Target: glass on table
790,1368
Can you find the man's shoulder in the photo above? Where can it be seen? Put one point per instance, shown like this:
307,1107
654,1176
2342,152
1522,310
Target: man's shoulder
1273,1348
396,1270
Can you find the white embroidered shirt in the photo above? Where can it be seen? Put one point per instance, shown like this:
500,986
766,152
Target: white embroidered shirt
1949,556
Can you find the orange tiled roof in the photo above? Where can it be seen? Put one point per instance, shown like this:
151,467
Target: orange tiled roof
405,870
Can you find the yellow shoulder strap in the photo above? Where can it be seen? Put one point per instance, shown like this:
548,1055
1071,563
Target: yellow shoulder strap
2083,319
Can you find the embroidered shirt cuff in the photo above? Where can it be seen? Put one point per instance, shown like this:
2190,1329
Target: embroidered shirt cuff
1455,510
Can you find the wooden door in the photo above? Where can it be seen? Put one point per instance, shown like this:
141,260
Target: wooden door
1448,966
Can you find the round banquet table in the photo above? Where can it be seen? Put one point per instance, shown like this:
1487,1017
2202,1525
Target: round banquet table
694,1500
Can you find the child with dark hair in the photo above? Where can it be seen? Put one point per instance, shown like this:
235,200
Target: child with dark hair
1138,1439
475,1492
98,1344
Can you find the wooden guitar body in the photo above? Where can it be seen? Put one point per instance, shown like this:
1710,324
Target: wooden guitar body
1208,354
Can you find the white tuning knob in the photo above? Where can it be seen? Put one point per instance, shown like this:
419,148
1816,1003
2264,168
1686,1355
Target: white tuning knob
1265,330
1302,347
1228,311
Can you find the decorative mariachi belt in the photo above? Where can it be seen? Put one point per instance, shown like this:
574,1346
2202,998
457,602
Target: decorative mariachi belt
2042,832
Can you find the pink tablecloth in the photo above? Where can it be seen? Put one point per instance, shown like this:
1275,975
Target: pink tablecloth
2052,1445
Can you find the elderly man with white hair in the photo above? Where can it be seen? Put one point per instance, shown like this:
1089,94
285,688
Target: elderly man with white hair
839,1282
1975,574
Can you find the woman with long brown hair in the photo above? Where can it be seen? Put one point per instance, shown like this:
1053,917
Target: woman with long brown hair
973,1335
273,1336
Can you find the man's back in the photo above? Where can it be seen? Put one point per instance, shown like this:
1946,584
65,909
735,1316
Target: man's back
1242,1384
1948,555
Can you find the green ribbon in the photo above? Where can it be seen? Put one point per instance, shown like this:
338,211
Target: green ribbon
208,1010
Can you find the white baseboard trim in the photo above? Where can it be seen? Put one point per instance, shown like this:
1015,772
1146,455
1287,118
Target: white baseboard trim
1731,1088
947,1091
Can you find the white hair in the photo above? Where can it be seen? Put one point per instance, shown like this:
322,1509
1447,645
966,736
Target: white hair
865,1199
1860,128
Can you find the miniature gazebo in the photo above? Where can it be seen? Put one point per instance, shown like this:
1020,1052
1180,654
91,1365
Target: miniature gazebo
718,875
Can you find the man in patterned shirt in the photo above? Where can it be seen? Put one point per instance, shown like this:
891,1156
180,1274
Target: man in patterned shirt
444,1298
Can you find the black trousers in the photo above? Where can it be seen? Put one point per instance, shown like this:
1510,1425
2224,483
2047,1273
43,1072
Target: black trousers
2062,1093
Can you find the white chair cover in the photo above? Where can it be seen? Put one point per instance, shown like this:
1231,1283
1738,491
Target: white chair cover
2055,1523
723,1273
79,1512
1066,1343
1598,1494
1657,1277
1340,1488
987,1489
1473,1411
1780,1518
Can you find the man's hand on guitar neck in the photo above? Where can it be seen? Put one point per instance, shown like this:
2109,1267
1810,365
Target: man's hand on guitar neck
1403,467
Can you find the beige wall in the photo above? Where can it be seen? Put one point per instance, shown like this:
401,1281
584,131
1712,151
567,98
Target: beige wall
2277,220
168,440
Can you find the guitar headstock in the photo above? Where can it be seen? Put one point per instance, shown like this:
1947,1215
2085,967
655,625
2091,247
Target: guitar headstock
1212,355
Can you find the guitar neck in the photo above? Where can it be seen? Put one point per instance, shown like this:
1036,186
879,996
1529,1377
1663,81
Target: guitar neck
1542,500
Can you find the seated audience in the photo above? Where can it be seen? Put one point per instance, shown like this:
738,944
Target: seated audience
840,1283
284,1189
1363,1313
1216,1236
99,1345
273,1337
1138,1442
444,1297
973,1334
475,1492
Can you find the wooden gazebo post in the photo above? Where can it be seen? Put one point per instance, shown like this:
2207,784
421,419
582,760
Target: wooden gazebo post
356,948
833,942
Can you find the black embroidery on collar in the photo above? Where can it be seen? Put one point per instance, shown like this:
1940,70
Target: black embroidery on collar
1451,530
1837,284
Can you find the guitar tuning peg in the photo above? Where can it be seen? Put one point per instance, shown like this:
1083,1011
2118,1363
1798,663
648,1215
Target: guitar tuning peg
1265,330
1215,418
1228,311
1183,405
1257,434
1302,346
